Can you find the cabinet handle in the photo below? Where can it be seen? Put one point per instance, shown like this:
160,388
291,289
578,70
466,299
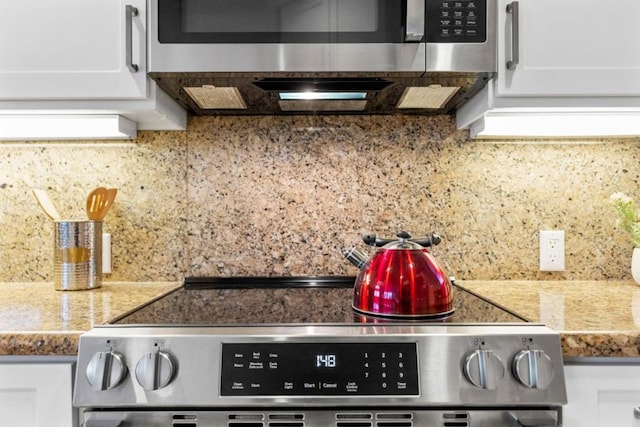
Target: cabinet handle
636,412
514,9
130,12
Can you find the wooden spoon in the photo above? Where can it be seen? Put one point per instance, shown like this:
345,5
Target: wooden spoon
46,204
95,203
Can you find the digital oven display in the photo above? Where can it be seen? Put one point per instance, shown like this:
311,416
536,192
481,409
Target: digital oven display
319,369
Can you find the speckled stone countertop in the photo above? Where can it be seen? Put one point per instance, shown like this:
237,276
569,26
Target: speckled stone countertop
35,319
594,318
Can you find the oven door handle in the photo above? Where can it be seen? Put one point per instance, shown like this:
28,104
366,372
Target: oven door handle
536,421
414,29
104,423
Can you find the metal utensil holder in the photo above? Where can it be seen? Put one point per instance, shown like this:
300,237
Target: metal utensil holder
77,258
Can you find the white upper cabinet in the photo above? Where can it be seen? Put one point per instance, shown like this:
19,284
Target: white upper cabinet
72,49
566,68
568,48
63,57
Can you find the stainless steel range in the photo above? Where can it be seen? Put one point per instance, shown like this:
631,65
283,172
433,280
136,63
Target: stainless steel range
264,352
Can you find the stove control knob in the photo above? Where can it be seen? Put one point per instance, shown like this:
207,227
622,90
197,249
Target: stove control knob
533,368
484,369
106,370
155,370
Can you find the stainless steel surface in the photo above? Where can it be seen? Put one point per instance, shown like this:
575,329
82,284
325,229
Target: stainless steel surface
266,58
533,419
418,62
216,352
275,57
514,10
466,57
130,12
326,57
308,417
415,20
77,255
441,351
356,257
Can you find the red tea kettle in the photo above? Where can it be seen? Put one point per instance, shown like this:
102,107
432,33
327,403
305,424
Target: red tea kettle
402,279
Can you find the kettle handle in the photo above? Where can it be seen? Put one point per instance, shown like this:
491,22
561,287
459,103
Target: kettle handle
431,239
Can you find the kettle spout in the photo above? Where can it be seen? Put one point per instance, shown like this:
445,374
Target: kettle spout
355,257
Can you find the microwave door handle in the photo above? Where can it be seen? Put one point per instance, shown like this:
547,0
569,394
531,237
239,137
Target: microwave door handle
414,30
130,12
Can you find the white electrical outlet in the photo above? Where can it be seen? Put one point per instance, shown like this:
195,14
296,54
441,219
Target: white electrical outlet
551,250
106,253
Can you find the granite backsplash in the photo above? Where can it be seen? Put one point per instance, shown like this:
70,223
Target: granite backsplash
278,196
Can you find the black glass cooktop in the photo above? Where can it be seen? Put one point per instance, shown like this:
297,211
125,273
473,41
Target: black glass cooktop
287,300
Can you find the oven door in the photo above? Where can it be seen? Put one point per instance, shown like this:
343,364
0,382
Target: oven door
287,35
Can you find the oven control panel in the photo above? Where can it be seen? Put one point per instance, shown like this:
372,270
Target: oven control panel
412,365
319,369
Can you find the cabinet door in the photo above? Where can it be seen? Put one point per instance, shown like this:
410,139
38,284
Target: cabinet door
602,396
570,47
71,49
36,395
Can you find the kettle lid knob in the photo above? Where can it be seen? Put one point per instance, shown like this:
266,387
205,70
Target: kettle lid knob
403,235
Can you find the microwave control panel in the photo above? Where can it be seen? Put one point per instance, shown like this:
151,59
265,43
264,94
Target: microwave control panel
456,21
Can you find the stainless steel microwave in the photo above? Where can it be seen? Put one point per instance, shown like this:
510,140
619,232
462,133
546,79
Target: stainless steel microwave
322,36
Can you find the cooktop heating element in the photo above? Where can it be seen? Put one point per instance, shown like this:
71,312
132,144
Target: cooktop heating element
259,352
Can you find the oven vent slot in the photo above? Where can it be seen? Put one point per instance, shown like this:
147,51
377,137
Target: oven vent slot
354,419
244,417
287,417
184,420
393,419
286,420
455,419
245,420
354,416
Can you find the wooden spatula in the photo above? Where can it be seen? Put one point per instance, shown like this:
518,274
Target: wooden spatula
95,204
